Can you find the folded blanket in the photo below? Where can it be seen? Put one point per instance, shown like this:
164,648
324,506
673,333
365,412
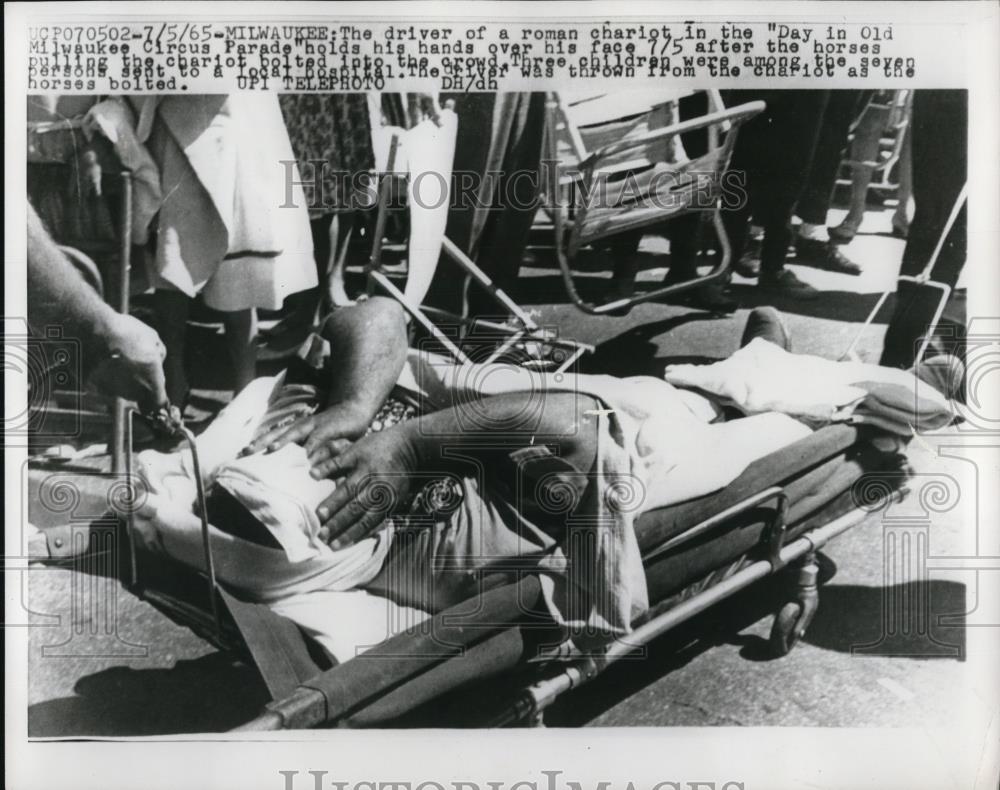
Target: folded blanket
763,377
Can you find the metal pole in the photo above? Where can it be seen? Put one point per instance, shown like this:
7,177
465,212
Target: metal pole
199,482
375,259
119,408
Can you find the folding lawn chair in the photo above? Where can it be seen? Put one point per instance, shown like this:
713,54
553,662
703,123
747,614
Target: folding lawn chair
627,183
898,108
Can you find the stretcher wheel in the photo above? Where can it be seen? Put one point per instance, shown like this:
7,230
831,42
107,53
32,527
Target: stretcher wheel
787,628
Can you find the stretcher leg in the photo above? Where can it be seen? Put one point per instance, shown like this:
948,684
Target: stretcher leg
794,617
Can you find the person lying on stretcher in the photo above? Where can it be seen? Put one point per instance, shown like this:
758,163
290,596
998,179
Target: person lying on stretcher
499,472
368,351
445,481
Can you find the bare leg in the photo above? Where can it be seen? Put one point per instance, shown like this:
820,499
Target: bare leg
430,149
901,217
864,151
335,290
241,329
172,309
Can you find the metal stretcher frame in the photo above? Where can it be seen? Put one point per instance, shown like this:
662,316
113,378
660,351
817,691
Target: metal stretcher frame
307,706
570,231
773,507
532,701
923,279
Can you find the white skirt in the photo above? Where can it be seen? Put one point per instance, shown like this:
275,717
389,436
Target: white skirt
233,225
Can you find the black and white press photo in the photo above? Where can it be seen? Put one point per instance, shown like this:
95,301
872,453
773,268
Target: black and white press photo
545,385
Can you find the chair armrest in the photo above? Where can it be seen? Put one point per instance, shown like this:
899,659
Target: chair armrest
733,116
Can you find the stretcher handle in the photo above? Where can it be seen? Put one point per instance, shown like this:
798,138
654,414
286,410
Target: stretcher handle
167,421
923,278
199,484
925,275
119,407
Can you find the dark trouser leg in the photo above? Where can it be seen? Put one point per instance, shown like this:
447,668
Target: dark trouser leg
793,122
683,231
841,110
475,120
500,248
772,153
940,166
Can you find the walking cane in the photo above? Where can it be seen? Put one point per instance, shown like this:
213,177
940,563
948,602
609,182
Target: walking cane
923,278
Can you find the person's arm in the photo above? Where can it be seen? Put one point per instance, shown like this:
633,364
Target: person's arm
368,346
124,355
565,421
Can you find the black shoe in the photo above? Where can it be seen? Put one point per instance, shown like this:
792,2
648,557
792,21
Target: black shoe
766,323
787,284
824,255
748,265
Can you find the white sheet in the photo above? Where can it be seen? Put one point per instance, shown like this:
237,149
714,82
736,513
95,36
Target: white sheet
763,377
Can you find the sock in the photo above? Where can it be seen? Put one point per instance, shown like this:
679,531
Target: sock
813,232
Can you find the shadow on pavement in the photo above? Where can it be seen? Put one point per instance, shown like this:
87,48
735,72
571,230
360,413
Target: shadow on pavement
831,305
633,352
849,620
209,694
902,620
